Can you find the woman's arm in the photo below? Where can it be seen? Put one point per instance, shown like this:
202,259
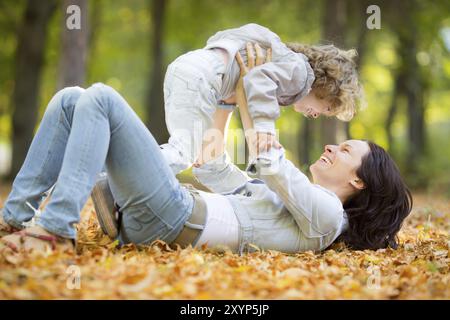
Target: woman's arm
220,175
257,141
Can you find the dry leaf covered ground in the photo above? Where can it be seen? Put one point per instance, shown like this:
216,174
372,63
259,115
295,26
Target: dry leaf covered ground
419,269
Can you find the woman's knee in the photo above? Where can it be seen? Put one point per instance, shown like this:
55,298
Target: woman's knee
102,95
65,98
70,95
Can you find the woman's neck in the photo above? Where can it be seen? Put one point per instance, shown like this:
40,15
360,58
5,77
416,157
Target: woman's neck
342,192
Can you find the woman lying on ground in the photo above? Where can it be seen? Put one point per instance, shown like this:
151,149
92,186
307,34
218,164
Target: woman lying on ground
357,194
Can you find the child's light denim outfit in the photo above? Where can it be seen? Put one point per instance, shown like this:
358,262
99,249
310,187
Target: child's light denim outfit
81,132
191,96
197,82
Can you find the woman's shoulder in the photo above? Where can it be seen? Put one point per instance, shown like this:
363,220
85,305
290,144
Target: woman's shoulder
329,197
330,209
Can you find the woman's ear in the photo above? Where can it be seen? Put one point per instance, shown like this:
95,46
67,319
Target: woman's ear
357,183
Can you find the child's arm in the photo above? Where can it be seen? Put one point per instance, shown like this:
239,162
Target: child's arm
257,141
273,84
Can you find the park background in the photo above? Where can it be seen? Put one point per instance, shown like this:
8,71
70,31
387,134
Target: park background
405,69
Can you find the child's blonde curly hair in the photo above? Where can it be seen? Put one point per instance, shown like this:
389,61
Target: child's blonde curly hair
336,77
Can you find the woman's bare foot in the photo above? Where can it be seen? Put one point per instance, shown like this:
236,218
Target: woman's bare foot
36,239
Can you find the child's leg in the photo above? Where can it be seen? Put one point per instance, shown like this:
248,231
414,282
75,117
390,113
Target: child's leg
185,142
190,104
44,158
192,88
104,127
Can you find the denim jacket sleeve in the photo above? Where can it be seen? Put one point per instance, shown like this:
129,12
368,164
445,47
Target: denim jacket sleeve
273,84
316,210
220,175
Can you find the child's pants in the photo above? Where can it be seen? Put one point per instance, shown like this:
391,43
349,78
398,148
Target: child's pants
191,93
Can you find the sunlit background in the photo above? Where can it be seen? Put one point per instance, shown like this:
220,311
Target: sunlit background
404,66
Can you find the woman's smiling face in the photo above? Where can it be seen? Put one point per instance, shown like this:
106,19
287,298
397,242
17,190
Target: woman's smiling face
337,166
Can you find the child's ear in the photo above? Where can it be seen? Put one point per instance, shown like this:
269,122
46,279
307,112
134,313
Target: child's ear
357,183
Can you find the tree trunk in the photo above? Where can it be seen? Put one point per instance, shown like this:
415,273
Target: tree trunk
414,87
397,92
357,11
74,46
95,20
306,141
334,23
29,60
155,101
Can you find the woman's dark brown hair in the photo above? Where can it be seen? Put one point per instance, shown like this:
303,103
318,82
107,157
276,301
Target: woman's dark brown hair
376,213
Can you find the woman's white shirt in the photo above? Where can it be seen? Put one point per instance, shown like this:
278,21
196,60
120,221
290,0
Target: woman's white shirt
222,226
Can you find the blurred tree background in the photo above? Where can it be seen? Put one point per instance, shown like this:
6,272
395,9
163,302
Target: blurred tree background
405,68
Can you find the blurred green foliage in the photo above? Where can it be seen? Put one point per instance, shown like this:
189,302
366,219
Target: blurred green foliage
120,56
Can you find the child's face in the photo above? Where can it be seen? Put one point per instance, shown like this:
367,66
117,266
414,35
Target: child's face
312,106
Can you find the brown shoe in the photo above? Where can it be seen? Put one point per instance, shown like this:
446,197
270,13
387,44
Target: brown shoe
105,207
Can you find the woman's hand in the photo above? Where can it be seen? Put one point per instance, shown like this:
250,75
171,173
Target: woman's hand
255,57
260,141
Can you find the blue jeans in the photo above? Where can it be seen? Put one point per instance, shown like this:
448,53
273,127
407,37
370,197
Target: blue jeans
82,132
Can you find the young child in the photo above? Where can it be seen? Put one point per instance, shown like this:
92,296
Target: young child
314,79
